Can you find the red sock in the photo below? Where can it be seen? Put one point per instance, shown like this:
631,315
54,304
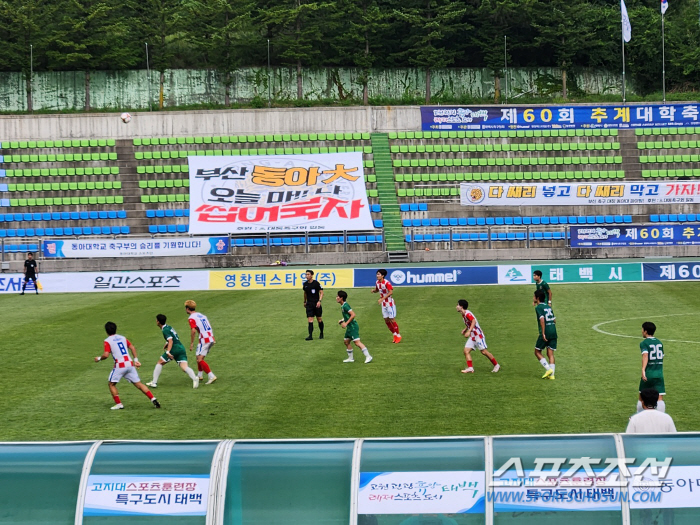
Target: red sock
493,361
116,399
199,366
389,325
205,367
396,327
149,395
469,364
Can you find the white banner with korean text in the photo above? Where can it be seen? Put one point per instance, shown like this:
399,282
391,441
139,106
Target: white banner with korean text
579,193
278,193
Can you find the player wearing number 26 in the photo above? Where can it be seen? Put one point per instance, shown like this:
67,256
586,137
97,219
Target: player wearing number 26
652,365
546,323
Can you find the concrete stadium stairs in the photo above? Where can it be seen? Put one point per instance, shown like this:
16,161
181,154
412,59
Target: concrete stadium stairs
391,215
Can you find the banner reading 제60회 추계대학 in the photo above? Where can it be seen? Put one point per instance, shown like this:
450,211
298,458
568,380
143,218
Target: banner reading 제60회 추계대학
278,193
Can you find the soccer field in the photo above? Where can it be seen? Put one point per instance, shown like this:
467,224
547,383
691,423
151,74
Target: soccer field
274,384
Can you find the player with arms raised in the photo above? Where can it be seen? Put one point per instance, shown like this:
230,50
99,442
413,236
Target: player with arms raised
386,292
475,338
652,365
200,326
546,323
118,347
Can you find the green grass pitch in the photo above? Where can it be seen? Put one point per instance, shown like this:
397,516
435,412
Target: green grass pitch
274,384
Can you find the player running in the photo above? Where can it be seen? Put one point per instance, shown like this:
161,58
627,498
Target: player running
386,292
475,338
652,365
542,285
200,325
118,347
174,351
546,323
352,329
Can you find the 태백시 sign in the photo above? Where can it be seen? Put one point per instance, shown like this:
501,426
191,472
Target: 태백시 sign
278,193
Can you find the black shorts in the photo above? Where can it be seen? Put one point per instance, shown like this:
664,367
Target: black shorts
30,277
312,311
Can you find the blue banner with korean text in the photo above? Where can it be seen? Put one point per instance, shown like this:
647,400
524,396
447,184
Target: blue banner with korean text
685,271
600,236
464,118
426,276
118,248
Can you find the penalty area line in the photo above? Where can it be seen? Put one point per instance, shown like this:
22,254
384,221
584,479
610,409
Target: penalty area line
597,328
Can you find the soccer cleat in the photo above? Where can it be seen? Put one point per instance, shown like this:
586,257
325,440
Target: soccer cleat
368,359
349,360
309,339
155,402
195,383
118,406
22,293
152,384
469,370
551,377
496,368
548,373
211,380
321,336
397,338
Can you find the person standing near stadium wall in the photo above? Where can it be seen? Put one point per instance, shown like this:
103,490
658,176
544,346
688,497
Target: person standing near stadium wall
118,347
31,271
542,285
650,420
201,327
386,300
352,329
313,295
174,351
652,365
475,338
546,324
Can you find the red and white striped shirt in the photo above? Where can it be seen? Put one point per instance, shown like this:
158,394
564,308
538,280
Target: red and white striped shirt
203,326
384,287
477,332
118,346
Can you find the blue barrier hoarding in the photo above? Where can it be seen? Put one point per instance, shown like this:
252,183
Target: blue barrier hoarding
430,276
599,236
670,271
453,118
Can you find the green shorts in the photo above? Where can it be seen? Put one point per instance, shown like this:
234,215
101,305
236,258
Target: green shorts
178,353
352,332
541,344
657,383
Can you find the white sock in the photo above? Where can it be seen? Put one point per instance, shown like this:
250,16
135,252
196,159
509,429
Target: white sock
200,374
156,372
350,354
661,406
190,373
639,406
211,375
365,351
545,364
551,365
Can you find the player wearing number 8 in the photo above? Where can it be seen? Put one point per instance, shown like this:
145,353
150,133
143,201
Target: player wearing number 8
200,327
652,365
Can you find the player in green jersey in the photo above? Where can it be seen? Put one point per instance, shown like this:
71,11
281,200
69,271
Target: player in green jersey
652,365
352,329
546,323
542,285
174,351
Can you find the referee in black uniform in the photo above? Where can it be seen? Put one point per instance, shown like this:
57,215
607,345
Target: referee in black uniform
30,272
313,294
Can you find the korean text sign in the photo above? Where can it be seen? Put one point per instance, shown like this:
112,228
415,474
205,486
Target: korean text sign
446,118
278,193
93,248
278,279
598,236
578,193
448,492
121,495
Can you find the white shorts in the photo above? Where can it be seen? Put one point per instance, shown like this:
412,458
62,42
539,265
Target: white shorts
389,312
129,373
204,348
479,344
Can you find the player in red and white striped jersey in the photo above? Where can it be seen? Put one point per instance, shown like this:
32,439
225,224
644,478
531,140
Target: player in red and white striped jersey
386,291
201,327
475,338
118,347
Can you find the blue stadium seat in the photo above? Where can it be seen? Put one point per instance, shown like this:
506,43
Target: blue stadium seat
481,221
36,216
102,214
462,221
239,242
508,220
654,218
362,239
65,216
554,220
422,206
484,236
413,207
418,238
49,231
105,230
298,241
250,242
682,217
500,221
150,214
378,223
609,219
527,220
55,216
471,221
162,228
121,214
444,222
112,214
3,233
352,239
276,241
600,219
39,232
66,231
187,213
44,217
12,233
334,239
434,222
83,216
453,222
691,217
490,221
27,217
160,213
590,219
663,218
510,236
314,240
371,239
404,207
425,222
543,220
179,213
76,231
406,223
673,217
21,232
324,240
627,219
415,223
260,242
181,228
75,216
94,215
408,238
520,236
376,208
517,221
536,220
58,231
173,229
170,213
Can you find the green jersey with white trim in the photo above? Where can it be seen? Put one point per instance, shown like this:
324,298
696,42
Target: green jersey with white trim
550,328
655,351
